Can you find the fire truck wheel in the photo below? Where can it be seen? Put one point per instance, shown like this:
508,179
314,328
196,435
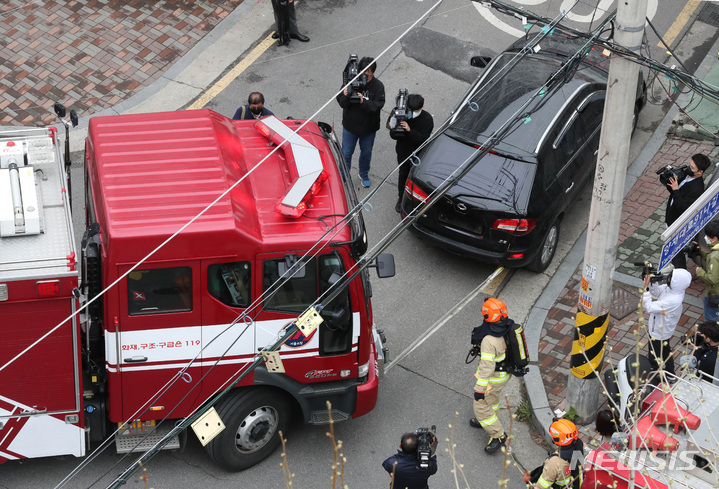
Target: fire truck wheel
253,418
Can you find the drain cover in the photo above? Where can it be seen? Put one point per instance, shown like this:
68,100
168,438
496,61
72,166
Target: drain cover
623,303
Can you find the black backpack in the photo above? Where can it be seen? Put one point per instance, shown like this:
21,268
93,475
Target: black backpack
517,355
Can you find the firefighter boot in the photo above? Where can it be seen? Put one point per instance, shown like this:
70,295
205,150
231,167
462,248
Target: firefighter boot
474,423
495,443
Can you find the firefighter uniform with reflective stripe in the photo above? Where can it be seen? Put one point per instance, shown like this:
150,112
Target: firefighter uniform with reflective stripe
490,382
556,474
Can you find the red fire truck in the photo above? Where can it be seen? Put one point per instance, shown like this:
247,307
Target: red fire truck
160,338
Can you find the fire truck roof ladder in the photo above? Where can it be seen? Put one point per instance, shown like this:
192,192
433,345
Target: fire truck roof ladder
19,198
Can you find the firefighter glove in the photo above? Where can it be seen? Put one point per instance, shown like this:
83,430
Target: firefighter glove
478,396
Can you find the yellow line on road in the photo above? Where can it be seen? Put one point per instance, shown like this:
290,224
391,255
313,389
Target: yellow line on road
492,286
218,87
679,24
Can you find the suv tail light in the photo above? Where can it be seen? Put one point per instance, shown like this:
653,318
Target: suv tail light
414,191
518,227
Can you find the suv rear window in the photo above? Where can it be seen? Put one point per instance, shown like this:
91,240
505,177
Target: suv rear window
499,97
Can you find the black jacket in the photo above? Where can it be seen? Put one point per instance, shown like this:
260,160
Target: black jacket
406,474
682,198
420,128
361,119
706,359
248,113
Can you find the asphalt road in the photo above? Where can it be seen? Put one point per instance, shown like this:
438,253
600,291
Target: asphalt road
432,290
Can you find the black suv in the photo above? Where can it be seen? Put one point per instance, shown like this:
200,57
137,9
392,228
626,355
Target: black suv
508,208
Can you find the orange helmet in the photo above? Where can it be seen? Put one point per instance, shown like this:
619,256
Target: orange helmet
493,310
563,432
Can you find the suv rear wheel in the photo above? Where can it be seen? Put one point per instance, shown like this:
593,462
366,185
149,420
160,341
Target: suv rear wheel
547,249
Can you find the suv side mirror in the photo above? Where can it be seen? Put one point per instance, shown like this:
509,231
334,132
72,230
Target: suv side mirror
480,61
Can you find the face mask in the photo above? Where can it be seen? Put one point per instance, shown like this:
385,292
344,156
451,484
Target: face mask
708,240
416,113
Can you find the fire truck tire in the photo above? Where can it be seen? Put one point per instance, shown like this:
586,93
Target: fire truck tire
253,418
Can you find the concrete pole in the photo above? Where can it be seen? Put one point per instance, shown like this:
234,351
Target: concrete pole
583,389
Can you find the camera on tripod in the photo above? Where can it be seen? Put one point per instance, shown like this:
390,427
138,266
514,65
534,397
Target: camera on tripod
400,113
350,72
648,268
426,444
680,173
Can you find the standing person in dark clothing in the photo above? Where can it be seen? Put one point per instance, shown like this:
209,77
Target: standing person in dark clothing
684,194
254,109
417,129
360,121
286,22
707,340
407,475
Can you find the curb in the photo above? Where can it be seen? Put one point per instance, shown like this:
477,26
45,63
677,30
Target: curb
541,411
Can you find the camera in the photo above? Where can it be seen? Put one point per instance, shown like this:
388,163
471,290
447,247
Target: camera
351,71
692,250
400,113
694,338
426,443
667,172
647,268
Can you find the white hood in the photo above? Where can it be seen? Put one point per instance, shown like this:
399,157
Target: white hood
681,279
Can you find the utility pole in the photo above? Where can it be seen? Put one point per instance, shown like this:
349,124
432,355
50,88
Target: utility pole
592,321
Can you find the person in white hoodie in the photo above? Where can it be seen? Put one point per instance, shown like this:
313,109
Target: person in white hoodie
664,314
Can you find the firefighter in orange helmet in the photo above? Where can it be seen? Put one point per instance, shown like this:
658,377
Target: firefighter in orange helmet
563,470
491,375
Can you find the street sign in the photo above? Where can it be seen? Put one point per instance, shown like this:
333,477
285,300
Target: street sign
689,224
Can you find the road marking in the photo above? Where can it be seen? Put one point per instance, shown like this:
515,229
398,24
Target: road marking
679,24
223,83
499,274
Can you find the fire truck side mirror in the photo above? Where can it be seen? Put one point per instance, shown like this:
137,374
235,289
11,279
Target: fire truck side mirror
326,128
384,265
73,118
59,109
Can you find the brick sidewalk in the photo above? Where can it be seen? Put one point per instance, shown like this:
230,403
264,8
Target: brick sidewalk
90,55
641,226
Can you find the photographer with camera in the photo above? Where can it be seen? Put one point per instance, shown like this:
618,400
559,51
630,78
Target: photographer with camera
410,125
685,184
404,466
704,357
709,273
361,114
664,314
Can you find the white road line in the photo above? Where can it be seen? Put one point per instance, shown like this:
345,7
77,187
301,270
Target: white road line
442,321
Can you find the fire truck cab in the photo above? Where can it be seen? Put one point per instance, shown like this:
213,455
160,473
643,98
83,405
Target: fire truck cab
159,338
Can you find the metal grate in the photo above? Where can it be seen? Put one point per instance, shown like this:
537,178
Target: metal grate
129,443
321,417
320,387
623,303
709,14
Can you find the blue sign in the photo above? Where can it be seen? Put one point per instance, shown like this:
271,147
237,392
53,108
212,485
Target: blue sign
688,230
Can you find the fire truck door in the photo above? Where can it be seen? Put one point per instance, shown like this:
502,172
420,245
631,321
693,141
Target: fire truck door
227,292
160,334
333,342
